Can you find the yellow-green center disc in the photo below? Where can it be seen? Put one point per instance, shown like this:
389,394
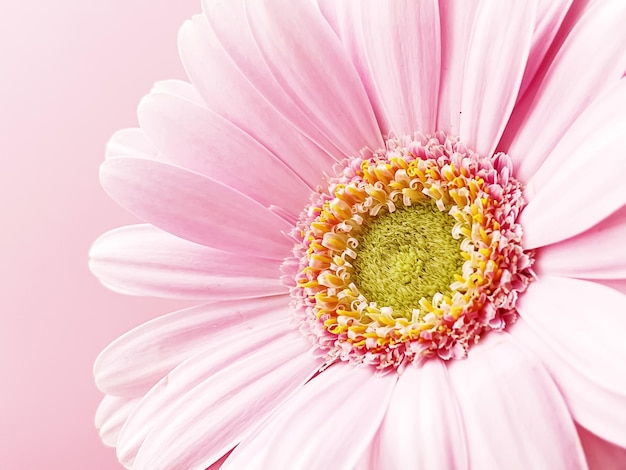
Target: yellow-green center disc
406,255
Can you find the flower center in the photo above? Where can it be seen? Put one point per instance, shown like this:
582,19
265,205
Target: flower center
407,255
412,251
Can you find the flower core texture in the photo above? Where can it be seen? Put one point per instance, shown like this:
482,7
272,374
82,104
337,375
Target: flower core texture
410,252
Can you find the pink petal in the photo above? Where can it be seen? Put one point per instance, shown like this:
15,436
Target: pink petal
195,207
194,138
617,284
550,15
577,10
228,93
457,19
156,407
327,424
456,25
601,455
606,111
229,24
587,189
583,322
513,413
145,260
180,89
496,58
416,434
130,143
598,253
401,41
329,10
214,416
592,404
308,68
542,118
345,19
111,415
140,358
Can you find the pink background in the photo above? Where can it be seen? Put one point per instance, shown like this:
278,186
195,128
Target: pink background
71,73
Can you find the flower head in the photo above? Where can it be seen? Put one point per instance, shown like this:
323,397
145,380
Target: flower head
402,222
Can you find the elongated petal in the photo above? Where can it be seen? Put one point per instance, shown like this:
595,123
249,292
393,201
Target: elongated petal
192,137
595,62
301,435
233,402
457,19
422,428
229,24
299,49
140,358
404,60
504,393
195,207
550,15
157,405
607,111
588,188
583,322
591,403
346,20
598,253
111,415
228,93
490,88
144,260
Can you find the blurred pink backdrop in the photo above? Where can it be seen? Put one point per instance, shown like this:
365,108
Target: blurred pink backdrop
71,73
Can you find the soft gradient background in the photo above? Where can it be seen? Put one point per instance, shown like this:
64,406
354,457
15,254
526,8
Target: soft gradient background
71,73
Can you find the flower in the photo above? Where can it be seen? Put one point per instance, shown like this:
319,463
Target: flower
402,222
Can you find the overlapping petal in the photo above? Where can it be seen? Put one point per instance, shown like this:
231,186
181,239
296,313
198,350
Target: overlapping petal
422,428
608,110
403,61
111,415
144,260
504,393
601,252
227,92
587,192
195,207
192,137
287,55
233,398
596,407
155,409
585,65
490,90
140,358
300,436
132,142
563,312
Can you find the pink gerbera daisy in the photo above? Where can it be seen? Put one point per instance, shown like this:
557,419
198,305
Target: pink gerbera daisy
404,224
